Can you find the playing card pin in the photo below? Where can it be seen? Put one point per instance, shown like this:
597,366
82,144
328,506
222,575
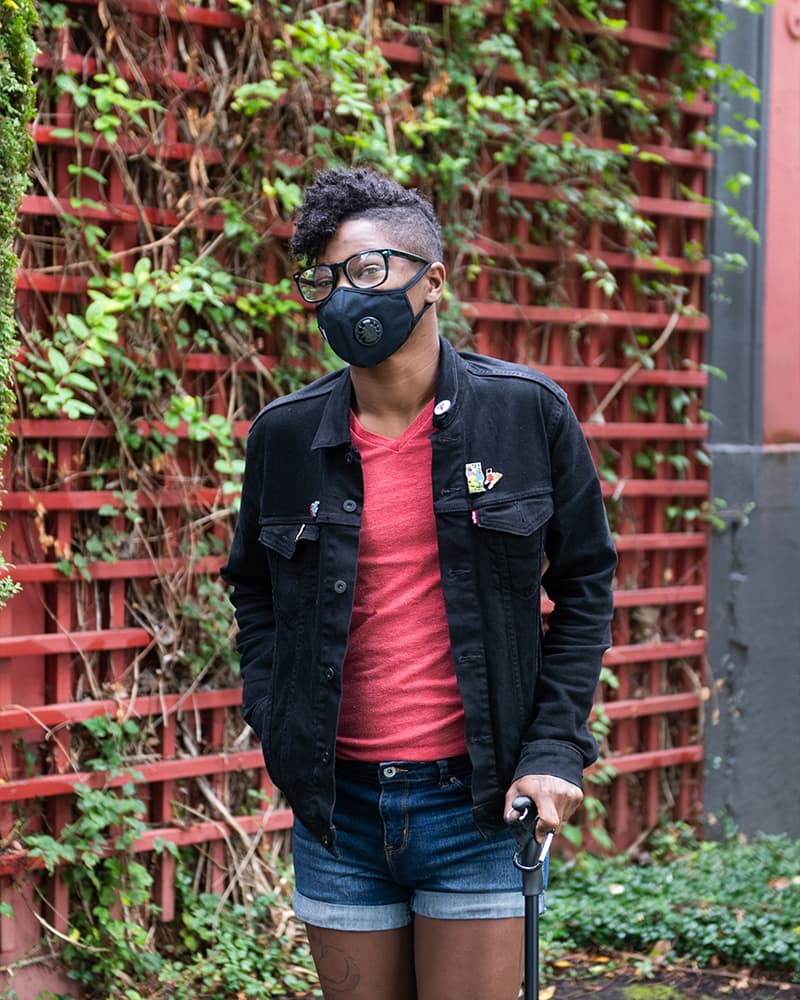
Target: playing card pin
475,477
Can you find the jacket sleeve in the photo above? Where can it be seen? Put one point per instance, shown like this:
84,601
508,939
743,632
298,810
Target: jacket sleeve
581,565
247,572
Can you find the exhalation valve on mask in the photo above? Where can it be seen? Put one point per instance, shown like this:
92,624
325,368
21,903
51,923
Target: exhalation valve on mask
368,331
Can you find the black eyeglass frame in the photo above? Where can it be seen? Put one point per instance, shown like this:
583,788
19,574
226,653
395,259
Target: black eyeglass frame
344,265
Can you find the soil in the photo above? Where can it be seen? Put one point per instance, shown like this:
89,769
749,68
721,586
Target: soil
674,984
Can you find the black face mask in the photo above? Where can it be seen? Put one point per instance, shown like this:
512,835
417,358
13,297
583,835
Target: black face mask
365,326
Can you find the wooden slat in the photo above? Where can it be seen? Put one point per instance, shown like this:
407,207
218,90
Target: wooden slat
18,717
49,785
633,763
14,863
54,500
73,642
122,569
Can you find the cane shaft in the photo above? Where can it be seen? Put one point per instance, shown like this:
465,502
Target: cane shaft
531,948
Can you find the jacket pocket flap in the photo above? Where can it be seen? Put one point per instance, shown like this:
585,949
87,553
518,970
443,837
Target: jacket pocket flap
517,517
284,538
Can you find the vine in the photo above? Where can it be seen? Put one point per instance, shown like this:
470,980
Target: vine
17,21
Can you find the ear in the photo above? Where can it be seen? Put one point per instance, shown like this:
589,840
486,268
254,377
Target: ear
435,279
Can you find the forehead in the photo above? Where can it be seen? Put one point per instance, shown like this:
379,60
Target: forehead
355,235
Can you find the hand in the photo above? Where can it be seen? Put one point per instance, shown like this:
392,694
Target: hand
554,798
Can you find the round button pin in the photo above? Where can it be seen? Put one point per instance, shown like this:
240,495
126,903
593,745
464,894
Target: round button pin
442,407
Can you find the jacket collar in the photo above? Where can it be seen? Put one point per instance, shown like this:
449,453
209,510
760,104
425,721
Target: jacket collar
448,385
334,426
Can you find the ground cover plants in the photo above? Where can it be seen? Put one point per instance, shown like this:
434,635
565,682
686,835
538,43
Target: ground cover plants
679,899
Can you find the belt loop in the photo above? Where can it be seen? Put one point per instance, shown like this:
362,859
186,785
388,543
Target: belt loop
444,770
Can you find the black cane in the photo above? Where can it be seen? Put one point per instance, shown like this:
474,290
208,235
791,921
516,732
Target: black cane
530,857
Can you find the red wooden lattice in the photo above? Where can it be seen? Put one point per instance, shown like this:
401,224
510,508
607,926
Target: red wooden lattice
60,623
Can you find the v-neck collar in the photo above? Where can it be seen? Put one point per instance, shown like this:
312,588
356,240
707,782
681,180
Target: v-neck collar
420,424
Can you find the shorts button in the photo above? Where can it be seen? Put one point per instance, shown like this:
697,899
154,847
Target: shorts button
340,586
389,772
349,506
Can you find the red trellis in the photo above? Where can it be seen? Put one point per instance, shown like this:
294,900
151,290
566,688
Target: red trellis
655,744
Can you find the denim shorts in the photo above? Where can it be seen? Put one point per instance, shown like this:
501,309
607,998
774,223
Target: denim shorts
407,843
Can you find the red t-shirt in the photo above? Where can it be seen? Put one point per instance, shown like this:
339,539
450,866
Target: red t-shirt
400,697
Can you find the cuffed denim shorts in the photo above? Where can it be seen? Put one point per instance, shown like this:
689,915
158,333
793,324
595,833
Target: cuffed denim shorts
407,843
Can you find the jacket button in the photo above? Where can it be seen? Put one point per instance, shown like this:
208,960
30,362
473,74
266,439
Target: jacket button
349,506
330,673
340,586
326,840
325,757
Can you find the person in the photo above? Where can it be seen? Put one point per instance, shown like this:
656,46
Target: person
398,520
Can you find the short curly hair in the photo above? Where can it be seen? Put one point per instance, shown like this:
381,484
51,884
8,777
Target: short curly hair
335,196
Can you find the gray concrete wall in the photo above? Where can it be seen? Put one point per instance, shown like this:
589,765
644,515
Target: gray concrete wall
753,732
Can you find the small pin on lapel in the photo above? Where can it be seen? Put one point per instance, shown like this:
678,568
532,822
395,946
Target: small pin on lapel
313,508
492,478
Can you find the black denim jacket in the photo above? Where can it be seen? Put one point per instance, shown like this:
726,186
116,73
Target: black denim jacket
293,564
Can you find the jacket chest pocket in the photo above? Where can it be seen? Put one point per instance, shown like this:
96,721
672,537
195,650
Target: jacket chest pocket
293,553
513,534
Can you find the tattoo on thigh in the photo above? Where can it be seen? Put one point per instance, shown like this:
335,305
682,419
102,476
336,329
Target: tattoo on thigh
338,972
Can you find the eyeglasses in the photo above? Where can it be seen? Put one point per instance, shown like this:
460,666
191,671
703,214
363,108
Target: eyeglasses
367,269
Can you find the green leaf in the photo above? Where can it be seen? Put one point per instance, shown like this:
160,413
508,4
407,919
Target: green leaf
79,381
58,362
77,326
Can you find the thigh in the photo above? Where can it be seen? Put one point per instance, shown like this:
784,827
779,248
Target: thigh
468,959
364,965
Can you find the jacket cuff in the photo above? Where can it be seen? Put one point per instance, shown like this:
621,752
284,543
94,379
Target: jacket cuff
562,760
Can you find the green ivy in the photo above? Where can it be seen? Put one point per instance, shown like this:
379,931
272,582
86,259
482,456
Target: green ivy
17,96
108,938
